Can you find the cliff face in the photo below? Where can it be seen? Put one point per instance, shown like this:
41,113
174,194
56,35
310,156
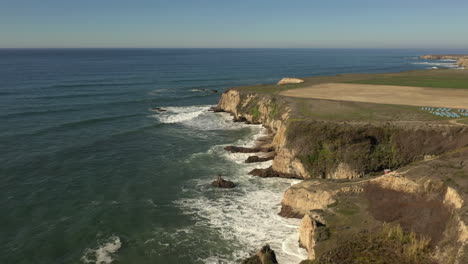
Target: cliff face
272,114
340,150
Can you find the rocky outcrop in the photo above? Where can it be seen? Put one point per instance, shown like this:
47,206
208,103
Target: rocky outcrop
307,235
270,172
253,159
222,183
234,149
462,60
442,57
264,256
337,150
255,108
311,195
290,81
344,171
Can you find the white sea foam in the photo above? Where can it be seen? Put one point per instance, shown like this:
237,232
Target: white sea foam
103,254
247,215
157,92
198,117
451,64
180,114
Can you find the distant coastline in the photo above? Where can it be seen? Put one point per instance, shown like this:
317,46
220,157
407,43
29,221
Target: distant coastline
462,60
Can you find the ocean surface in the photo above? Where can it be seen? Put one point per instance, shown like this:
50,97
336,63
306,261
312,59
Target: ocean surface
89,174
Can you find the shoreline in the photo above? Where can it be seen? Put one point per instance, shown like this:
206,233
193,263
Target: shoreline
460,59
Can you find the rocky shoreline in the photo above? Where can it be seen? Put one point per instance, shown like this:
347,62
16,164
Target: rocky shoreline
342,166
462,60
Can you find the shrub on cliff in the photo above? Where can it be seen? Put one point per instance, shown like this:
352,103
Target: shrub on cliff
389,244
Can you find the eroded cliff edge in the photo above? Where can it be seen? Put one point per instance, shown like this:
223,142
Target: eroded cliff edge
341,161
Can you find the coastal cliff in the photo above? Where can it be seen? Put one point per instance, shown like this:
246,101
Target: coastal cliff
308,148
344,197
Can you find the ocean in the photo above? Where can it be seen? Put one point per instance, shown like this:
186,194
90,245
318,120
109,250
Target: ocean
90,174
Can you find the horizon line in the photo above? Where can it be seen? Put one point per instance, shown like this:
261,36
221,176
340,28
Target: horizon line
329,48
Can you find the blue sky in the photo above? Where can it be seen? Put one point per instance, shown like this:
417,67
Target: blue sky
234,23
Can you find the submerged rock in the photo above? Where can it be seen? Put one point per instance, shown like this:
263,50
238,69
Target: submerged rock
222,183
264,256
158,109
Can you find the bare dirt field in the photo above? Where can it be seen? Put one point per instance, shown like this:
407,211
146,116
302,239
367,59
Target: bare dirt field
384,94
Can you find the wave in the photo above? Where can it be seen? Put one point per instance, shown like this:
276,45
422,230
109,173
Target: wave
34,113
104,252
79,123
438,64
247,216
82,95
96,84
198,117
181,114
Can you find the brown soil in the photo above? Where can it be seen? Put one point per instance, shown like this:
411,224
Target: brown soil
384,94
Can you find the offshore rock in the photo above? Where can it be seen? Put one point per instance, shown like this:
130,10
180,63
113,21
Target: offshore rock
222,183
264,256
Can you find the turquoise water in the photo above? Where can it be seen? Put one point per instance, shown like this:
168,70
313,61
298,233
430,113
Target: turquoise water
89,174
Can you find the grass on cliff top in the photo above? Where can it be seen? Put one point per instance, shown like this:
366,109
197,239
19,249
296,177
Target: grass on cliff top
457,79
331,110
425,78
388,244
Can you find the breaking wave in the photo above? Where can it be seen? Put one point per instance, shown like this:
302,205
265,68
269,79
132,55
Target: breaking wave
247,215
198,117
445,64
103,253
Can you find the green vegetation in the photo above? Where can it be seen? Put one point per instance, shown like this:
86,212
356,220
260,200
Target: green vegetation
322,146
356,111
274,109
463,121
387,244
426,78
434,79
255,112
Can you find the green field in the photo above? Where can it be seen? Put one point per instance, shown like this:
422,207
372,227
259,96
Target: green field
457,79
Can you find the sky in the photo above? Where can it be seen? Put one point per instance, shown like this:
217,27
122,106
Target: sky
234,24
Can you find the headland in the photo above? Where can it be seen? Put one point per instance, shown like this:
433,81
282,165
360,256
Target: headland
384,165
